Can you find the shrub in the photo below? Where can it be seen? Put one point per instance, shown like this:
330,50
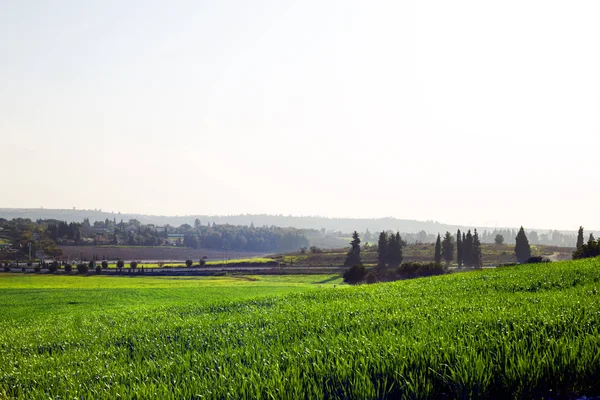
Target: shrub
82,268
355,274
414,270
371,277
98,269
53,266
537,260
202,261
120,264
68,267
133,264
315,250
189,263
105,264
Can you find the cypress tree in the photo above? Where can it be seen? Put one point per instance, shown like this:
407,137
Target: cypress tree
353,257
522,248
580,238
468,249
382,250
459,250
448,248
476,254
438,250
394,251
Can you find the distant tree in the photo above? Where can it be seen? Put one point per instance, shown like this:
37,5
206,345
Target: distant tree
53,267
499,239
353,256
197,224
522,248
448,248
438,250
580,238
468,249
591,238
382,250
133,264
459,249
189,263
104,264
477,257
82,268
355,274
202,262
120,265
394,251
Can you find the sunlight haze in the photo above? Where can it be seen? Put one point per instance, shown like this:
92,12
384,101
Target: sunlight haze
464,112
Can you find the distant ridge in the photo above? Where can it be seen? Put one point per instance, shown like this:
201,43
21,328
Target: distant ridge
329,224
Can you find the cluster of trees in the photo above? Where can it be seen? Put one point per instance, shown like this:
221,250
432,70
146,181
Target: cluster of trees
497,236
133,233
389,262
586,250
23,235
468,249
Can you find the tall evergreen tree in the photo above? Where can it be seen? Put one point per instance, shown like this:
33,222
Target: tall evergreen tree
382,251
522,248
448,248
468,249
476,251
394,251
459,250
438,250
580,238
353,257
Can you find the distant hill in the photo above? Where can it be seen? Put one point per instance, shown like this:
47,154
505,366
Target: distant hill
329,224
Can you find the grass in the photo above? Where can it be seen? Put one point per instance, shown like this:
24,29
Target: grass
513,332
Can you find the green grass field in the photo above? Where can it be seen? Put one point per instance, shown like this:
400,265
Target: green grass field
513,332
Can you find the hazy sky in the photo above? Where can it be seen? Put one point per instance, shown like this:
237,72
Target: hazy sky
469,112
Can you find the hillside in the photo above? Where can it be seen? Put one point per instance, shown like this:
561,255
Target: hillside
531,331
345,225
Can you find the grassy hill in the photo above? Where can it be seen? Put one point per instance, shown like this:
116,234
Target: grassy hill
525,331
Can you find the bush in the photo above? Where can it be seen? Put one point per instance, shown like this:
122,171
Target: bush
133,264
315,250
355,274
68,267
120,264
371,277
189,263
98,269
537,260
53,266
414,270
104,264
82,268
202,261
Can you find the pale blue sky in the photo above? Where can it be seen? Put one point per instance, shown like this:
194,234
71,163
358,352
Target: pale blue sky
467,112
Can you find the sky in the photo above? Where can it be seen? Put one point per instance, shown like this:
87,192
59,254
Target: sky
464,112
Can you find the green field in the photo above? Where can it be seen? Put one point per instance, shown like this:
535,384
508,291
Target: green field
526,331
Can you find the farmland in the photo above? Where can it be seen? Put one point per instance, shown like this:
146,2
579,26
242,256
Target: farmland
526,331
